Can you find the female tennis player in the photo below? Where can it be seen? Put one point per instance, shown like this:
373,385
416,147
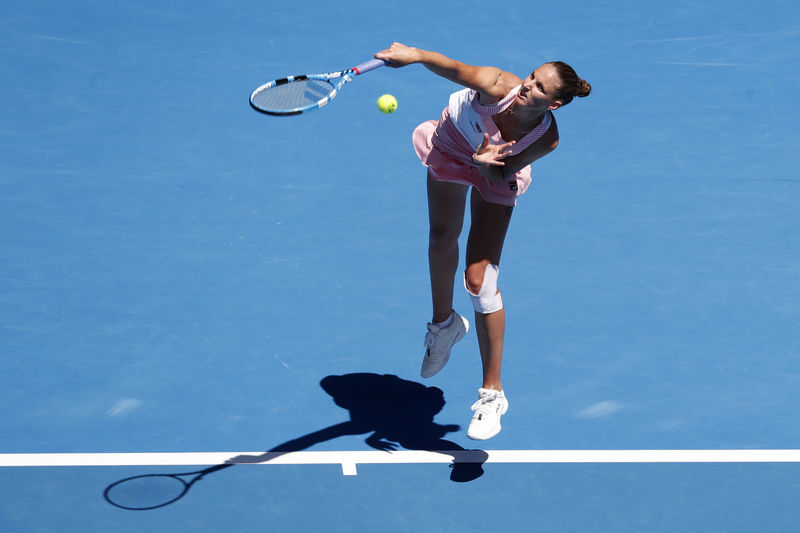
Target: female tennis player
486,139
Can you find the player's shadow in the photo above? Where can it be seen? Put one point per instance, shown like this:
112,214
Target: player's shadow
392,412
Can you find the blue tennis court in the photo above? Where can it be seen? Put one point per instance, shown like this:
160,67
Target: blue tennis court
187,283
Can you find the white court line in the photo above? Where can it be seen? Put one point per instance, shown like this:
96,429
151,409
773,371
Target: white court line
350,459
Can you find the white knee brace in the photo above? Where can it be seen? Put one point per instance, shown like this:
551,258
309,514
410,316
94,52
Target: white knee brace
488,300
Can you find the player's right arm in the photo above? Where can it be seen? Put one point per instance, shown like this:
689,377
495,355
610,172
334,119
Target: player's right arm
491,82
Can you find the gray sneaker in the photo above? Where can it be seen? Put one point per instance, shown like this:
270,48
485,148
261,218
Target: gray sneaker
485,423
438,343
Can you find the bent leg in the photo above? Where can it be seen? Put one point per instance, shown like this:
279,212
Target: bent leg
446,206
489,225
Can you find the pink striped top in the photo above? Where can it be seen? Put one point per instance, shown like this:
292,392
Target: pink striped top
473,119
446,146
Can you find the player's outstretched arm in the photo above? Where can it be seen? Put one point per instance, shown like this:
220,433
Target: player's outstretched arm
489,81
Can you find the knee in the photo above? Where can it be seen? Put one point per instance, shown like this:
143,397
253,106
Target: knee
443,236
474,276
480,280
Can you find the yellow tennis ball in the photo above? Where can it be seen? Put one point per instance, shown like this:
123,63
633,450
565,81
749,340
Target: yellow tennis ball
387,103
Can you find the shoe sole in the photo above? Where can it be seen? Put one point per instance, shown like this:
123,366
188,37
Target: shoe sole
461,335
487,436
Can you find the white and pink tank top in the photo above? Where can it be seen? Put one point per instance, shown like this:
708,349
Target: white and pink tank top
472,119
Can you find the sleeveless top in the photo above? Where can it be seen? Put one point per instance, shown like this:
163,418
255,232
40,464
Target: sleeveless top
446,146
473,119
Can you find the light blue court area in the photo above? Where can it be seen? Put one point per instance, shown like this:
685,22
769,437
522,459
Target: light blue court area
180,274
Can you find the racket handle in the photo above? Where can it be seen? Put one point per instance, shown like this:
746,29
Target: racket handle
372,64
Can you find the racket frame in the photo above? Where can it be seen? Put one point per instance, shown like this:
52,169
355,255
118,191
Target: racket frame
187,484
336,79
109,492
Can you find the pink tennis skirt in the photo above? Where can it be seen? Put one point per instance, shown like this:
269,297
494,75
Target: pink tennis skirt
448,156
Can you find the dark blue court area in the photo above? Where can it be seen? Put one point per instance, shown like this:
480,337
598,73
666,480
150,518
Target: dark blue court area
180,274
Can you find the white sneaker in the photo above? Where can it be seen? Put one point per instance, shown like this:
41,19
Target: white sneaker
485,423
439,341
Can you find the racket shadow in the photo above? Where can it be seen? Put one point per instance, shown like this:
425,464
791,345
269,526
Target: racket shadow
391,411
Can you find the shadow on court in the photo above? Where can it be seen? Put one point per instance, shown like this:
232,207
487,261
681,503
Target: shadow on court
391,411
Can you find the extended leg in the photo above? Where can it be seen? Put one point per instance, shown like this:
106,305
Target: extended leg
486,237
446,206
487,234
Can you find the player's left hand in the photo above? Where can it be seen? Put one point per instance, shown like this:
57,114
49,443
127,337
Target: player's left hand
488,154
379,444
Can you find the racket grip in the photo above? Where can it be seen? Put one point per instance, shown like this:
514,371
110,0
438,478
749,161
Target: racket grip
372,64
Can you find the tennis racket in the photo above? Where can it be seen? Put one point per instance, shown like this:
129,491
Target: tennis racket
300,94
151,491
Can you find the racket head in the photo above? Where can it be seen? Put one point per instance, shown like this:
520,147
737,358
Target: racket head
295,94
149,491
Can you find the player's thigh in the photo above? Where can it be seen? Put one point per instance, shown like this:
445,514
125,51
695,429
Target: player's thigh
488,228
446,207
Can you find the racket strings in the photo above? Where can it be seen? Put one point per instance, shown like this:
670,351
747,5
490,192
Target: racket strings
293,95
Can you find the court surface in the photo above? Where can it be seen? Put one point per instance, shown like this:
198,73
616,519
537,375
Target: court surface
180,274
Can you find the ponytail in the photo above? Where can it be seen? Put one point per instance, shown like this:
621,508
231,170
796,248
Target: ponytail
571,84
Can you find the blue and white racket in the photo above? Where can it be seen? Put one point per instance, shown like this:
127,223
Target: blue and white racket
300,94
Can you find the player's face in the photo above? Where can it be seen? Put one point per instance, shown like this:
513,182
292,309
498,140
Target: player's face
538,90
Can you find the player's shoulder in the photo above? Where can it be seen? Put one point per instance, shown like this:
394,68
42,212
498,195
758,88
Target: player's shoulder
501,83
506,82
